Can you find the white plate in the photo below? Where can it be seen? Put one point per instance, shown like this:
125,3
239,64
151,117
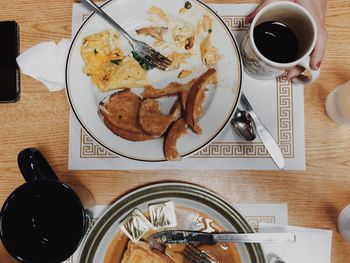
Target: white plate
99,238
219,104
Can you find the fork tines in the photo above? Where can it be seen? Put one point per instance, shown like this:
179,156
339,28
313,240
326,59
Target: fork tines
157,60
151,56
192,254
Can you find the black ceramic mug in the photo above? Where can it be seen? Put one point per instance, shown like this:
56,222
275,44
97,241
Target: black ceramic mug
43,220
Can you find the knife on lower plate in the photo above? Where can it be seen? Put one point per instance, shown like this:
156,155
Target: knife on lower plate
267,139
188,237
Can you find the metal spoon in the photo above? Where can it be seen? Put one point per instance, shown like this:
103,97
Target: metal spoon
244,125
272,258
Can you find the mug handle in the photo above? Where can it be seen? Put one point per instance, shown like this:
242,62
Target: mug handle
34,166
302,79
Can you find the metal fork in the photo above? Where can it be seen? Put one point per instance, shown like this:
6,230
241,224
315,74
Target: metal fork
143,50
193,254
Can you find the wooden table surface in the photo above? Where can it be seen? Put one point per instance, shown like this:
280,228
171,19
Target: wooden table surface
314,196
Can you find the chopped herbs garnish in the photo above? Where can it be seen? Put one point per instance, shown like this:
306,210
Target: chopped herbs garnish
116,61
95,51
188,5
141,61
210,31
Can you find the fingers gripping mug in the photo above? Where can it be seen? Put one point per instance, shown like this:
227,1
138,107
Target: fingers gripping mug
43,220
281,36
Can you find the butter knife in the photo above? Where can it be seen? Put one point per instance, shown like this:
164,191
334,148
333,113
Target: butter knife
267,139
188,237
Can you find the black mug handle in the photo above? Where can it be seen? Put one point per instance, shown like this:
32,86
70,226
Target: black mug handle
34,166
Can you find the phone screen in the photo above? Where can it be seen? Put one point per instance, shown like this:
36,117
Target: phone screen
9,74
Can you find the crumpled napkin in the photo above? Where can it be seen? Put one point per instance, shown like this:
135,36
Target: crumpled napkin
46,63
311,246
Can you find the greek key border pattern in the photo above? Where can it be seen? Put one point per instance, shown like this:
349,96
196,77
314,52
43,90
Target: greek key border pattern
285,129
236,23
254,221
91,149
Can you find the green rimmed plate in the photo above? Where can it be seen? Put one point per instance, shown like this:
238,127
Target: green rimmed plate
189,196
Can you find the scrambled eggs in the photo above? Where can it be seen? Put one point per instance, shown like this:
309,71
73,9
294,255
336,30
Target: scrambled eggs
106,64
109,68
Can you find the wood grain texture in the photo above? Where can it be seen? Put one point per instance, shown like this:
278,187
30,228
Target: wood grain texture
314,196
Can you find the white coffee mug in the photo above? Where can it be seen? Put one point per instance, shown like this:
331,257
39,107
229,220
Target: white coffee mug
300,21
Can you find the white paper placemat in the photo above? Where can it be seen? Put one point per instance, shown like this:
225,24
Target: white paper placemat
311,245
254,213
279,104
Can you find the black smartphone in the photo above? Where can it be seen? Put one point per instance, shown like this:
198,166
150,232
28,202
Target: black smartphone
9,71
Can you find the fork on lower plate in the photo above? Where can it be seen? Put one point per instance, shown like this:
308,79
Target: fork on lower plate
144,52
193,254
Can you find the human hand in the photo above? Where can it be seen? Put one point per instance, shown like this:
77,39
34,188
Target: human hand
317,9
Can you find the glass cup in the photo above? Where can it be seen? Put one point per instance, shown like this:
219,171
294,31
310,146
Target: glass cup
343,223
338,104
43,220
300,21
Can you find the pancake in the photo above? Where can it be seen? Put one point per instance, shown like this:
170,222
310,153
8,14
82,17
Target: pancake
141,252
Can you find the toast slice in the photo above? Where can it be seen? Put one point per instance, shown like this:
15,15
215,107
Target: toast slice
152,120
120,113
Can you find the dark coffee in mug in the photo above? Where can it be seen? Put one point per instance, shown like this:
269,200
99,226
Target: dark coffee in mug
43,220
276,41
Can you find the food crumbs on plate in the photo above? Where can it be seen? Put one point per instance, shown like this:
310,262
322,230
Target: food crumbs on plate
184,73
188,5
206,23
182,10
177,59
135,225
185,8
181,34
189,43
158,12
163,215
152,31
158,43
210,54
155,32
